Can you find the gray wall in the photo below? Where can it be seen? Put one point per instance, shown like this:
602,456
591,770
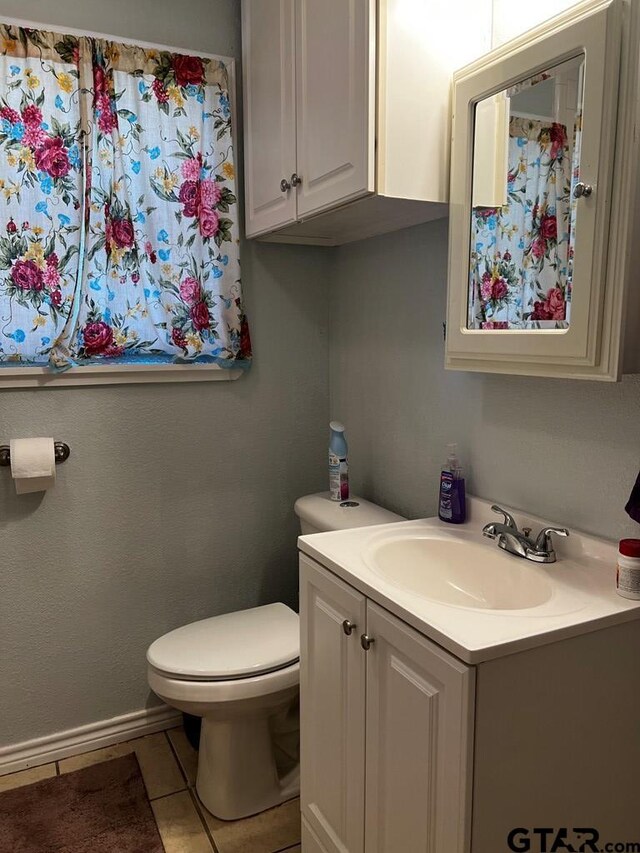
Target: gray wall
567,450
177,500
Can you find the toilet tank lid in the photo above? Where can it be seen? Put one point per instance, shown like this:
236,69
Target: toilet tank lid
234,645
324,514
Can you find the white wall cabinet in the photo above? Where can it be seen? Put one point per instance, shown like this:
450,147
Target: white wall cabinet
351,100
586,263
334,83
415,703
269,109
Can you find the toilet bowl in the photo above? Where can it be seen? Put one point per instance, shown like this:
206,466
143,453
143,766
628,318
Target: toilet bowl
240,672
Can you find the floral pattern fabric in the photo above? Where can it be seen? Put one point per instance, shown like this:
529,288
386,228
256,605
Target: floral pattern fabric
40,168
123,233
520,252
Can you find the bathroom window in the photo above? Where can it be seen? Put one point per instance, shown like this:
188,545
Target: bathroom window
119,226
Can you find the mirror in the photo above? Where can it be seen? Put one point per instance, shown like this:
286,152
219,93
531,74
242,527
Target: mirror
525,201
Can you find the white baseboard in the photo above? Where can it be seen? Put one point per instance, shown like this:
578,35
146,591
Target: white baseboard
32,753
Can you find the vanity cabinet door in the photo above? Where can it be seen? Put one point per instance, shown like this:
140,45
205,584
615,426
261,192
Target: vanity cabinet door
419,739
335,79
269,114
332,688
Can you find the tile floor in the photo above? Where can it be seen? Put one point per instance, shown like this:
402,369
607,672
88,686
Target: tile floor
168,764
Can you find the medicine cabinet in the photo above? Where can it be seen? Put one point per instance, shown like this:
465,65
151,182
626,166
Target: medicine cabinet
542,242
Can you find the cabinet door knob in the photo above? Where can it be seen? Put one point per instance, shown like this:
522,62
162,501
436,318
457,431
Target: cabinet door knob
366,642
348,627
581,189
296,179
285,186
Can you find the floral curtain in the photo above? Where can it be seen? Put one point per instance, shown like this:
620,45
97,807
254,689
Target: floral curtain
121,238
40,184
520,252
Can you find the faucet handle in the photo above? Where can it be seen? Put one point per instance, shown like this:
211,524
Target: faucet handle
509,520
543,542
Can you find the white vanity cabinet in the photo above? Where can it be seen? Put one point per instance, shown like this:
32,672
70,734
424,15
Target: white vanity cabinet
332,686
386,732
407,749
347,113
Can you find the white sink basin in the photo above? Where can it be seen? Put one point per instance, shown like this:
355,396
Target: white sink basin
466,594
459,573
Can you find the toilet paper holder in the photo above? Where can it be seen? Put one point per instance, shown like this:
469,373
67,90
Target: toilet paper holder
61,452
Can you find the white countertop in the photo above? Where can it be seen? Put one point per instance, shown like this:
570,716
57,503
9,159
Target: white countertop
584,596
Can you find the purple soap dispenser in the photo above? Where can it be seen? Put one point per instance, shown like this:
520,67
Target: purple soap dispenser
452,504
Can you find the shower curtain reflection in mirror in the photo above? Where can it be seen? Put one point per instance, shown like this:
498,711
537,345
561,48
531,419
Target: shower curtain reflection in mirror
522,229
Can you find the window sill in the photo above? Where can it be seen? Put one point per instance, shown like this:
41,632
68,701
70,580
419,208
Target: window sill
42,377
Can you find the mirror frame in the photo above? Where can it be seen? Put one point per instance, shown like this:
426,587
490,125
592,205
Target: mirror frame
594,28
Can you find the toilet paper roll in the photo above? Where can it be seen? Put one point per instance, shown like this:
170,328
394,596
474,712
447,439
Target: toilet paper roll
33,464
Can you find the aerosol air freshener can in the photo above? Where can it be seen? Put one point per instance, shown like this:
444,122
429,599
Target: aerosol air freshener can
338,463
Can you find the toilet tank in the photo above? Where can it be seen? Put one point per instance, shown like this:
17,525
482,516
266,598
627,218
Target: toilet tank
318,513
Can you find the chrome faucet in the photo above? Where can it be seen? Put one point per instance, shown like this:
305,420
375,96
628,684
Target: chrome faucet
519,542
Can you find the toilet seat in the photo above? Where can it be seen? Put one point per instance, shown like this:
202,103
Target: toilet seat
234,646
220,692
178,676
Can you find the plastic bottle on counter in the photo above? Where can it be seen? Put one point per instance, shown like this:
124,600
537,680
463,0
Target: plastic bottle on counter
628,574
452,503
338,463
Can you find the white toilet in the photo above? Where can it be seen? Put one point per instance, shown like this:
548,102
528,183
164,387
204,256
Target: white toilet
240,673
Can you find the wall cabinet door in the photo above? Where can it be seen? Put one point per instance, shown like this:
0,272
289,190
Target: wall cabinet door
332,691
419,729
335,80
269,114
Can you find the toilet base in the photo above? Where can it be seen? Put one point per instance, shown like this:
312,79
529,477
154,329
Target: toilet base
237,772
249,756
